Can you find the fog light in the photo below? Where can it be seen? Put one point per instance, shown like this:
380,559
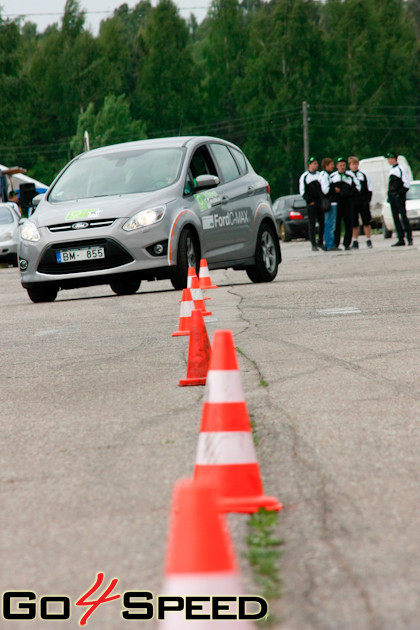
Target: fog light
23,264
158,249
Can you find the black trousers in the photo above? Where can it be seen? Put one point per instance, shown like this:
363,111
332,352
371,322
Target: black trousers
315,213
344,214
398,209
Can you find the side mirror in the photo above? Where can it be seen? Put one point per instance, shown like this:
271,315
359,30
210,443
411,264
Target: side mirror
37,199
206,181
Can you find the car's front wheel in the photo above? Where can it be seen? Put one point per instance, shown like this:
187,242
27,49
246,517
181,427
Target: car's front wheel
267,255
42,294
125,287
188,256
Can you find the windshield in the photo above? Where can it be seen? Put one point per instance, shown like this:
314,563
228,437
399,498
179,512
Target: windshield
119,173
414,192
5,216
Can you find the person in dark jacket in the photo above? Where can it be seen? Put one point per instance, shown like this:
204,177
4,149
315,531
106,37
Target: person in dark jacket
398,186
361,203
330,211
345,186
310,189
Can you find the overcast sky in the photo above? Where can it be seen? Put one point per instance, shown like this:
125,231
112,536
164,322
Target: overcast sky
96,10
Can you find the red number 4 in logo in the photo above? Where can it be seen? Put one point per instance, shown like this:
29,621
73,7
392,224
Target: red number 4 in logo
102,599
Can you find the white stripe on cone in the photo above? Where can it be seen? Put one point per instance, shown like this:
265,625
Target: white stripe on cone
210,584
186,308
225,447
204,272
223,386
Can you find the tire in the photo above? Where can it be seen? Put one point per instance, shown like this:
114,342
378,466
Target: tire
284,233
267,255
188,255
125,287
42,294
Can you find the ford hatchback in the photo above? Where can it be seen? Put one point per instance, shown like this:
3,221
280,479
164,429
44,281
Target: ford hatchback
148,210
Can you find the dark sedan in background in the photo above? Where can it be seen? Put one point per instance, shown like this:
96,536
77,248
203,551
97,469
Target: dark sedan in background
291,217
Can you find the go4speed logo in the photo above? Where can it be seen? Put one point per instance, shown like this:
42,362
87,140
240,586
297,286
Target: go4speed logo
25,605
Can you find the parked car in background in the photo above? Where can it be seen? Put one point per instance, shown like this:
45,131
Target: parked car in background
377,168
412,205
148,210
291,216
9,234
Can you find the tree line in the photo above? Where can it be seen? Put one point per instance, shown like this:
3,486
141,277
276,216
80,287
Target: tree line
241,74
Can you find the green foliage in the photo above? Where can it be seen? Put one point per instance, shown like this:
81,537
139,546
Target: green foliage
241,74
112,124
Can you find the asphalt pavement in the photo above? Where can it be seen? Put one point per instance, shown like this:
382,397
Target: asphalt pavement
95,431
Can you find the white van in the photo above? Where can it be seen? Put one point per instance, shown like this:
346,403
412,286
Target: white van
377,168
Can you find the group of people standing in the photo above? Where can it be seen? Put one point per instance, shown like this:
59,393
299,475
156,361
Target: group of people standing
338,195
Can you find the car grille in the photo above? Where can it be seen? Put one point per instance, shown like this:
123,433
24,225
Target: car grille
115,256
94,223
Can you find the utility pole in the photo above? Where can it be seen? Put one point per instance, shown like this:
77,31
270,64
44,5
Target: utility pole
305,107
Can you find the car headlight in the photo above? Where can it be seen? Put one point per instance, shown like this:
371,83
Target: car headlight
144,218
29,232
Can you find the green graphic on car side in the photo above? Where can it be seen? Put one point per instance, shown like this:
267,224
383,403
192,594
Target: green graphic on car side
82,214
206,198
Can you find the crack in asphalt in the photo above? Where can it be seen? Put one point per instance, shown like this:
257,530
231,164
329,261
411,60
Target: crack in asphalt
326,501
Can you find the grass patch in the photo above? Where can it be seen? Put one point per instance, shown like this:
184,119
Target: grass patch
264,552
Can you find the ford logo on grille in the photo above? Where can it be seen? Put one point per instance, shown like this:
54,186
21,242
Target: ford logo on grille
81,225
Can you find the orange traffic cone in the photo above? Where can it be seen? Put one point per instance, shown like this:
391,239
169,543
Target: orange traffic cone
225,453
187,306
197,296
204,276
198,352
200,559
190,276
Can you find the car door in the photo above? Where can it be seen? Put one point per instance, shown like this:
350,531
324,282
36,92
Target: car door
234,217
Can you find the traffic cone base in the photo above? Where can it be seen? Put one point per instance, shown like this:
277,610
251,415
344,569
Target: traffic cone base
198,352
204,276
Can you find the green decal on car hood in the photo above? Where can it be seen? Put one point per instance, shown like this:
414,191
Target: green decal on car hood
82,214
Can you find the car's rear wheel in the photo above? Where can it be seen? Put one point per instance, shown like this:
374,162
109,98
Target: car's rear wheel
125,287
284,233
267,255
188,255
42,294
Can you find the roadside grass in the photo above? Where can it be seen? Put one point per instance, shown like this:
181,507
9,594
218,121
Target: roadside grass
264,552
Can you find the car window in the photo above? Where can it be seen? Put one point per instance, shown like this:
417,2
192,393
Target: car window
227,165
414,192
119,173
202,163
299,204
5,216
240,160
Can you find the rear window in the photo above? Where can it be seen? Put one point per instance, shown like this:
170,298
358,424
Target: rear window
240,160
299,204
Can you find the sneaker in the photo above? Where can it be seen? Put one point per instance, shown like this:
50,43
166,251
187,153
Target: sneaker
315,248
355,245
369,243
410,242
398,244
347,248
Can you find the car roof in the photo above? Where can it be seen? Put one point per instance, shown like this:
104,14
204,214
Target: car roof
175,141
296,196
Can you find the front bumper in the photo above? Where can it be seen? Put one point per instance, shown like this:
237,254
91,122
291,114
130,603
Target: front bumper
125,253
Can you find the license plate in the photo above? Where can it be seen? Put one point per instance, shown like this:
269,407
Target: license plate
85,253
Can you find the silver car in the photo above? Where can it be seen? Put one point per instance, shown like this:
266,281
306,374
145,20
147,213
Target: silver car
148,210
9,234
